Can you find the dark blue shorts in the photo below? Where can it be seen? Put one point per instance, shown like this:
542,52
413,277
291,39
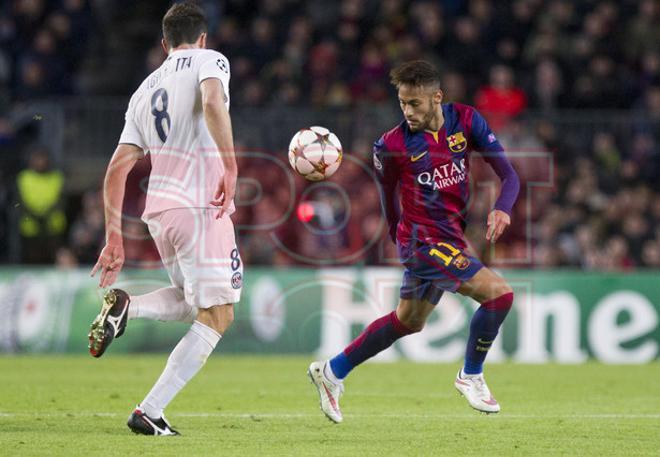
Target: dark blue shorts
432,268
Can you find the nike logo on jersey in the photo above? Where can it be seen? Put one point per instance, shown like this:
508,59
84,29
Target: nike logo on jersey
417,157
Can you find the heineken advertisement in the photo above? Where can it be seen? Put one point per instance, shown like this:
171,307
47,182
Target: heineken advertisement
560,316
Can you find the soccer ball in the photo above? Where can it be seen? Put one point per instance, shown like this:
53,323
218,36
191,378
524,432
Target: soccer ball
315,153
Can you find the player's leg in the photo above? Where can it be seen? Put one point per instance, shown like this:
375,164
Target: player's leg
166,304
495,297
212,272
188,357
185,361
409,317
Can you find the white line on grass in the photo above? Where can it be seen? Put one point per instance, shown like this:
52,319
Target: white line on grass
308,415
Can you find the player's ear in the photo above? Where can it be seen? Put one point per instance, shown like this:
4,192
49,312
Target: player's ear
201,41
166,48
438,96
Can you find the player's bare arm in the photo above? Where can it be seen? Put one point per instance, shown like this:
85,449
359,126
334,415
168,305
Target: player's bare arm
111,259
218,122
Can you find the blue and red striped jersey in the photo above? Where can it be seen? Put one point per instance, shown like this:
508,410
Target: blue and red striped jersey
431,171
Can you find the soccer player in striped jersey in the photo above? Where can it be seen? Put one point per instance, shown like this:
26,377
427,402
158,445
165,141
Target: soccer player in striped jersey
425,160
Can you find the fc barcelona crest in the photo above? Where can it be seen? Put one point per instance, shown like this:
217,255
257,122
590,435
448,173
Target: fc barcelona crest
457,142
461,262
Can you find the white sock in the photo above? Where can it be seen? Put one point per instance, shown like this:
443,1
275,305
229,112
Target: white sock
327,371
184,362
166,304
464,375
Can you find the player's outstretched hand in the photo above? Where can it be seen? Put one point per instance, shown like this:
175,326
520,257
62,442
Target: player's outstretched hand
225,193
111,261
497,221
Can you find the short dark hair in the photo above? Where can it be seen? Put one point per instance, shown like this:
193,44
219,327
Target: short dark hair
415,73
183,23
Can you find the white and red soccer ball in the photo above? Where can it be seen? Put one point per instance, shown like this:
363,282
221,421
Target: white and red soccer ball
315,153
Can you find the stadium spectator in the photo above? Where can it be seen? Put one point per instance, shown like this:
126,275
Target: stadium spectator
548,92
42,222
651,254
86,234
65,259
501,100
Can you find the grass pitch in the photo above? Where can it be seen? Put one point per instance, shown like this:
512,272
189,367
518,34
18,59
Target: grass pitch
262,406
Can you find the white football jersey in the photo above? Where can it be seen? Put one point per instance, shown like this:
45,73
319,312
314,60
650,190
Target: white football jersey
165,119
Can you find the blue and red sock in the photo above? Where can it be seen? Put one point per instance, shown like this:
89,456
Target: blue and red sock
484,326
378,336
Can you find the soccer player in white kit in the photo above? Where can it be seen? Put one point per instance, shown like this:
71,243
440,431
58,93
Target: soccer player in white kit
179,115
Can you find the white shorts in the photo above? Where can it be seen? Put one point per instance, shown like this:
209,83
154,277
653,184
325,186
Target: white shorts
200,254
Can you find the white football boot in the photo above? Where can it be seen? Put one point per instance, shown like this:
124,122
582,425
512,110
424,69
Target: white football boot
329,392
476,392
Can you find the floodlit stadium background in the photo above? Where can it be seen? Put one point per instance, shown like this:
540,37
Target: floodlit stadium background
572,90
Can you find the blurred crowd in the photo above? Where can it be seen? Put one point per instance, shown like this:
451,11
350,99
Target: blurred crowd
41,43
502,56
540,71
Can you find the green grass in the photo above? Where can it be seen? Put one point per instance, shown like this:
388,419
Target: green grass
262,406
